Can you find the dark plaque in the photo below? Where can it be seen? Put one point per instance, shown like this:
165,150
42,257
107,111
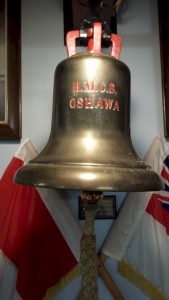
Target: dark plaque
106,208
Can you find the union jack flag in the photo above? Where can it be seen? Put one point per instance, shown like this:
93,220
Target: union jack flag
141,241
158,206
165,173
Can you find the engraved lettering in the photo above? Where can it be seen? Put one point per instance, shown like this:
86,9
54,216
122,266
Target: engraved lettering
111,88
92,86
99,104
80,103
89,103
108,103
92,103
76,87
104,95
89,86
73,103
116,106
102,87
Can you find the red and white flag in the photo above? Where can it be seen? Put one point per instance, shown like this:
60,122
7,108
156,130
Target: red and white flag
139,238
39,236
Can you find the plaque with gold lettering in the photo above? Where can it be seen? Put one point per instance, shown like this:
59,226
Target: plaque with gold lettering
106,208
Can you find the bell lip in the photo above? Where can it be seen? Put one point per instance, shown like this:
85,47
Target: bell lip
89,178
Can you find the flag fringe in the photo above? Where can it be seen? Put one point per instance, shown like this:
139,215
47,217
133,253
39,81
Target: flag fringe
52,291
138,279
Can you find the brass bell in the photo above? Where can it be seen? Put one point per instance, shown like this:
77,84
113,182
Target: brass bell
90,147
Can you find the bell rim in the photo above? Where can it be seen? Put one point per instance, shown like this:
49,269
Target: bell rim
89,178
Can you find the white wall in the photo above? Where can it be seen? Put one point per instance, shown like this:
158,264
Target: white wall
140,51
43,49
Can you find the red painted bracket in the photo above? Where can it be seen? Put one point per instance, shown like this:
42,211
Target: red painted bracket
94,41
71,41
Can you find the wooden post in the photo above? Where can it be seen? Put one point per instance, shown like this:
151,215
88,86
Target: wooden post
107,278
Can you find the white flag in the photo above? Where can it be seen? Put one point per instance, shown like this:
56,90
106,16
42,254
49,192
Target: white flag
139,238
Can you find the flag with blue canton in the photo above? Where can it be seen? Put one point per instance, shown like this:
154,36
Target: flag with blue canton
141,241
165,173
158,208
